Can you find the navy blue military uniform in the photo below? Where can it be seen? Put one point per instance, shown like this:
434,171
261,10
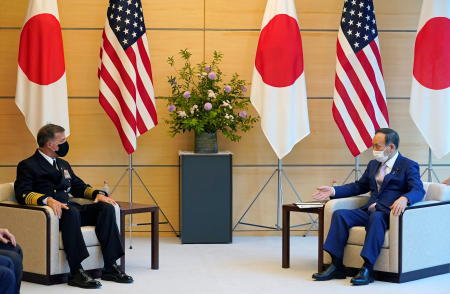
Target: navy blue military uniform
37,179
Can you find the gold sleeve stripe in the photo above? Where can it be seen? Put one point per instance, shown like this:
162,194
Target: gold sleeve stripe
32,198
88,192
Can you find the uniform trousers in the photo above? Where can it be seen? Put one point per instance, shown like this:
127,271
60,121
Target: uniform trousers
102,216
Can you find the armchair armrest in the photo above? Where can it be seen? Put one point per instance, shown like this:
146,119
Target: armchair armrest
341,203
423,238
31,225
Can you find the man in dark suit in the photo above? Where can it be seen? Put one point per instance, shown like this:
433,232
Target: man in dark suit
45,179
394,183
10,263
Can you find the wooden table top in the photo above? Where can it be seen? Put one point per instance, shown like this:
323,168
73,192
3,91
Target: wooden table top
135,207
293,207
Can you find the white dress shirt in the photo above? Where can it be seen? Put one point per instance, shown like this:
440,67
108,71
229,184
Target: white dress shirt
50,160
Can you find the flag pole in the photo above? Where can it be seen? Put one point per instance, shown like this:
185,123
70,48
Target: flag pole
356,171
430,170
130,197
279,194
279,171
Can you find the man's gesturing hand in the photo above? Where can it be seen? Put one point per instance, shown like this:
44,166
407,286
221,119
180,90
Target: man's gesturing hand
56,206
323,193
106,199
398,207
6,237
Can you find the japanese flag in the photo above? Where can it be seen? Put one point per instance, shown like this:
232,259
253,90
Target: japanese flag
430,94
278,86
41,92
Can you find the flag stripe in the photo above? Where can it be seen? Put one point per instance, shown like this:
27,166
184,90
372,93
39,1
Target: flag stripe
353,113
368,69
352,95
344,130
362,85
145,58
126,89
113,115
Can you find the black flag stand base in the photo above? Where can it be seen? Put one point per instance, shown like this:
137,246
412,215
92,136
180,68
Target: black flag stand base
279,171
429,170
130,170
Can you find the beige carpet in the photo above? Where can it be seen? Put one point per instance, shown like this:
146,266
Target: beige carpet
249,265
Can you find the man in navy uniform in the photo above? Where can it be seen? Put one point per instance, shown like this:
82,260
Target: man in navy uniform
394,183
46,179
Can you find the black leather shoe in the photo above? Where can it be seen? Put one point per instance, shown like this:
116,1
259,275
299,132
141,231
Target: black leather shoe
364,277
116,275
332,272
83,280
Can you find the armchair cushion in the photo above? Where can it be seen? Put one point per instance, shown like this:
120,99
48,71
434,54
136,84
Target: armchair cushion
358,235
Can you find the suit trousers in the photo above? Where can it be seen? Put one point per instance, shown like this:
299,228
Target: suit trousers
102,216
376,224
15,256
8,281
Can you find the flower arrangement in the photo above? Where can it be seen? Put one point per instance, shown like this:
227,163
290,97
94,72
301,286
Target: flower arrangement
202,102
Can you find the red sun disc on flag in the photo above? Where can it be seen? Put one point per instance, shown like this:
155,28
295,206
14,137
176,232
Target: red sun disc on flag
41,55
432,54
279,57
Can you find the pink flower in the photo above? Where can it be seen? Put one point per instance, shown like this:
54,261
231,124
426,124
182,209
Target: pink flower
187,94
243,114
171,108
227,89
244,89
207,68
207,106
212,76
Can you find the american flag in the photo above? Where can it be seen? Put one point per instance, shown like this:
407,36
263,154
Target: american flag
359,106
125,73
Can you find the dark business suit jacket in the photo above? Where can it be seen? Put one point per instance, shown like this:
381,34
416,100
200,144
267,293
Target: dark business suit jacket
403,180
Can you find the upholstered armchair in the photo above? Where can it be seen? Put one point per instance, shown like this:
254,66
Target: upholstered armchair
37,231
417,243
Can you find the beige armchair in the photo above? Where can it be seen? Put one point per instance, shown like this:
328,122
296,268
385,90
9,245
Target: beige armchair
417,244
37,231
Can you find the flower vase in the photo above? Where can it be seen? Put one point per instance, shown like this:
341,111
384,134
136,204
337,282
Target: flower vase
206,143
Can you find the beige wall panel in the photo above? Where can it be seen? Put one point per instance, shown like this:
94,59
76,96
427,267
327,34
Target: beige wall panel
82,56
91,14
313,14
397,54
8,62
13,13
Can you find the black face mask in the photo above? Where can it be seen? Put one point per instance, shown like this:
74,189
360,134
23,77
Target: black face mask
63,149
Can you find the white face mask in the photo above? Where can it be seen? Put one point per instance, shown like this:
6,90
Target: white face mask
379,156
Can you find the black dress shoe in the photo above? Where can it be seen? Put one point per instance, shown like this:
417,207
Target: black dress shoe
83,280
364,277
332,272
115,274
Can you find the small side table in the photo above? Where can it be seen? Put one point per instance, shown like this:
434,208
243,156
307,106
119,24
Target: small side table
287,208
133,208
